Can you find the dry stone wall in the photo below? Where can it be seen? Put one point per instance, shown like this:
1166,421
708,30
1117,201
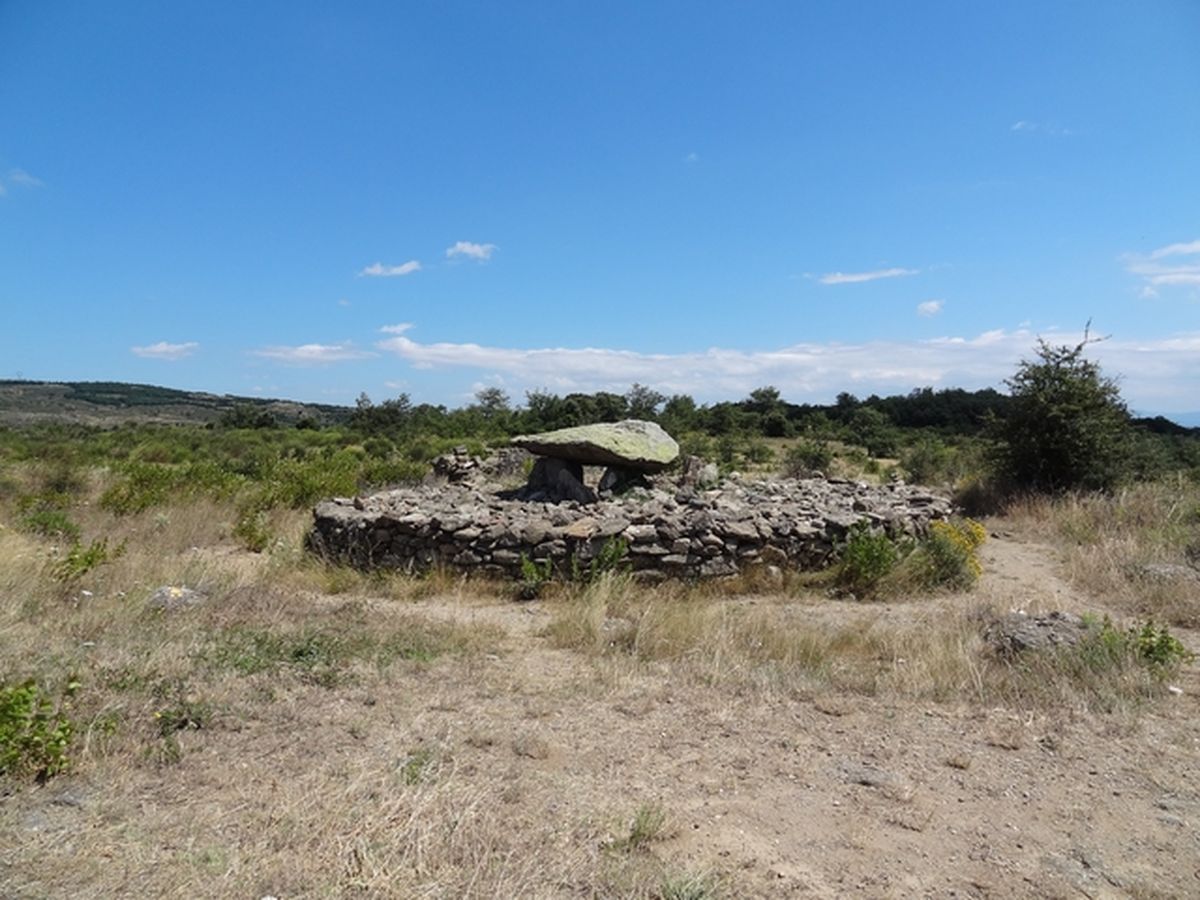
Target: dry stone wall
681,532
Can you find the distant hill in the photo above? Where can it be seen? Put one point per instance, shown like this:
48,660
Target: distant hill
113,403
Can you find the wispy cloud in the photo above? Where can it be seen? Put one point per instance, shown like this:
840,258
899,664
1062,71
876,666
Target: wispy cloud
930,308
859,277
397,329
18,178
24,179
1151,369
314,354
379,270
1049,128
165,350
692,157
1175,265
469,250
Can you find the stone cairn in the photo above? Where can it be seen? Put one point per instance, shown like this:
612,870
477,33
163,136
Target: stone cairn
684,526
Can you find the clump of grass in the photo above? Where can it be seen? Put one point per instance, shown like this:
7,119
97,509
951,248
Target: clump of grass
646,826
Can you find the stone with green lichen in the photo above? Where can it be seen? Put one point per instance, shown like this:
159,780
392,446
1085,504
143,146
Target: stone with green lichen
631,444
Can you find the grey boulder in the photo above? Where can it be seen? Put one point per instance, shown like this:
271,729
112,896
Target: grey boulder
631,444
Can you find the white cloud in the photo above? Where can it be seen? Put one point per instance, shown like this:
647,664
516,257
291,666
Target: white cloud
930,308
396,329
379,270
1049,128
469,250
165,350
858,277
1150,369
1188,249
1175,265
314,354
23,178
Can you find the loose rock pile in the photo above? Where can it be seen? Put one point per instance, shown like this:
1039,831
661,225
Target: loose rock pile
671,530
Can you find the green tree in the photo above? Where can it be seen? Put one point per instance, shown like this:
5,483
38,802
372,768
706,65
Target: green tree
643,402
1066,425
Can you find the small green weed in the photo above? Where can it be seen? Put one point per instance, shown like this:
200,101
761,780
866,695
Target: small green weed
34,731
80,560
611,558
179,710
534,577
418,766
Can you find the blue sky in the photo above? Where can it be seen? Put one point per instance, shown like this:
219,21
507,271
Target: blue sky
312,200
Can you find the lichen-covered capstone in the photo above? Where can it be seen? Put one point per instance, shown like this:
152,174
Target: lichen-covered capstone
631,444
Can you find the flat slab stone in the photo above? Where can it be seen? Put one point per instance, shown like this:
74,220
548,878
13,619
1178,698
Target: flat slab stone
631,444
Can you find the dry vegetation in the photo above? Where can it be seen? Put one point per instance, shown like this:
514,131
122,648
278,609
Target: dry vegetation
308,731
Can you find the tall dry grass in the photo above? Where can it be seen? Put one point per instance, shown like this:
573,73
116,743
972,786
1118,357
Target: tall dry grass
1109,540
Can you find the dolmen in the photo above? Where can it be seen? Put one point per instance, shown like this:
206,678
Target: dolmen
629,450
683,523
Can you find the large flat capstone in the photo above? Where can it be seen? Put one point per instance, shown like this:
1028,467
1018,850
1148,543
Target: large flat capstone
631,444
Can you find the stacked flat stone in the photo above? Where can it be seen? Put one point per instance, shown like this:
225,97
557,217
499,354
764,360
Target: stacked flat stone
682,532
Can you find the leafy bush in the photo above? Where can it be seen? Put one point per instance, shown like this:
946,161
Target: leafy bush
1066,426
807,456
947,557
34,733
1157,647
927,461
868,557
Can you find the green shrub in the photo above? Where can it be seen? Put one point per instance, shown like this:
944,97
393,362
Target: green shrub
144,485
758,452
947,556
251,529
867,558
927,461
1157,647
50,523
34,732
1066,426
805,456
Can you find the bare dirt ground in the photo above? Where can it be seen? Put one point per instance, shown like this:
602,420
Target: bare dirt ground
516,772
